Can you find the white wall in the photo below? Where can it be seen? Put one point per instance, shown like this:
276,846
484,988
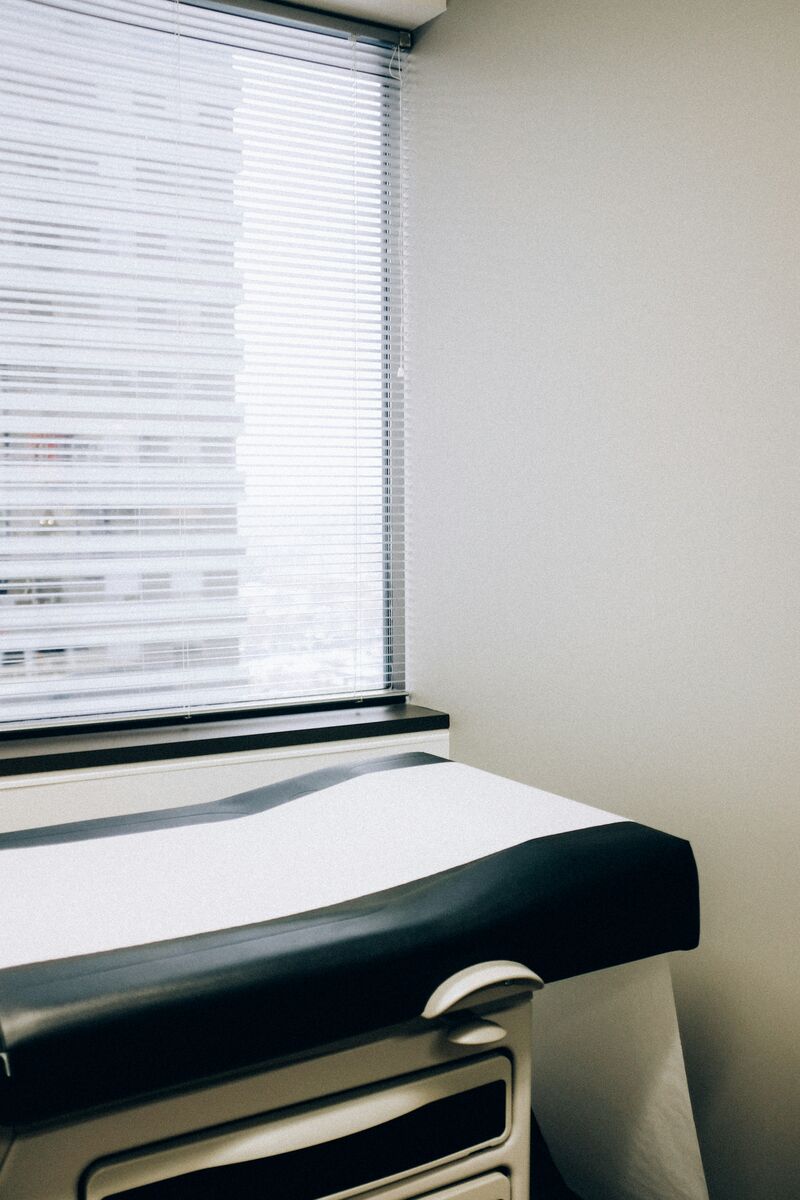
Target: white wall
604,442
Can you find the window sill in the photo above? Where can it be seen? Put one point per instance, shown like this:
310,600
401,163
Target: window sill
77,751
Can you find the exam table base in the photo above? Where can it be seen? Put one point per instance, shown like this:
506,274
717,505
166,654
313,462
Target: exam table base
117,1152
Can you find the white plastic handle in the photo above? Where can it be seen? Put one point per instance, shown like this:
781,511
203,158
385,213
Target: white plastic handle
465,988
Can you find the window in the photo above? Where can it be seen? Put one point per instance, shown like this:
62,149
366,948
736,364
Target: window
201,365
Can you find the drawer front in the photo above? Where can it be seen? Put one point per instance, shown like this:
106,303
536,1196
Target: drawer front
349,1144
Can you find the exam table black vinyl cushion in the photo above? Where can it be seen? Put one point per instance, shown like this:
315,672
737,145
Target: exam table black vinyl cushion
99,1029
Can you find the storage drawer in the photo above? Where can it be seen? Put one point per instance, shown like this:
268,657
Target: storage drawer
346,1145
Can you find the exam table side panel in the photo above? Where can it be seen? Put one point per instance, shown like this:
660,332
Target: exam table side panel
57,1161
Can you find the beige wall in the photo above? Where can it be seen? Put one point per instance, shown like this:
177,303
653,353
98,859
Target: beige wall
603,327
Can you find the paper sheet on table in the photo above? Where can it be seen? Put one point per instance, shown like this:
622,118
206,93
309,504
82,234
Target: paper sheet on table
610,1090
345,841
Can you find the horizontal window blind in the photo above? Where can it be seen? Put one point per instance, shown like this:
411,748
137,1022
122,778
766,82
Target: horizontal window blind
201,365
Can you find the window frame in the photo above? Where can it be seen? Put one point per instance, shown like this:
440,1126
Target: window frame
81,748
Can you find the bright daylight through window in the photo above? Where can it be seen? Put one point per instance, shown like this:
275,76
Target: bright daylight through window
201,364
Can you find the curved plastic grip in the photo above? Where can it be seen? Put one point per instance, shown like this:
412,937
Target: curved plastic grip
467,987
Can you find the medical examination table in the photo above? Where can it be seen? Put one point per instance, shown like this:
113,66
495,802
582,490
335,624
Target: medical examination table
318,988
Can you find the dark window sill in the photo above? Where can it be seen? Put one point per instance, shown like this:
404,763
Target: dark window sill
69,751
